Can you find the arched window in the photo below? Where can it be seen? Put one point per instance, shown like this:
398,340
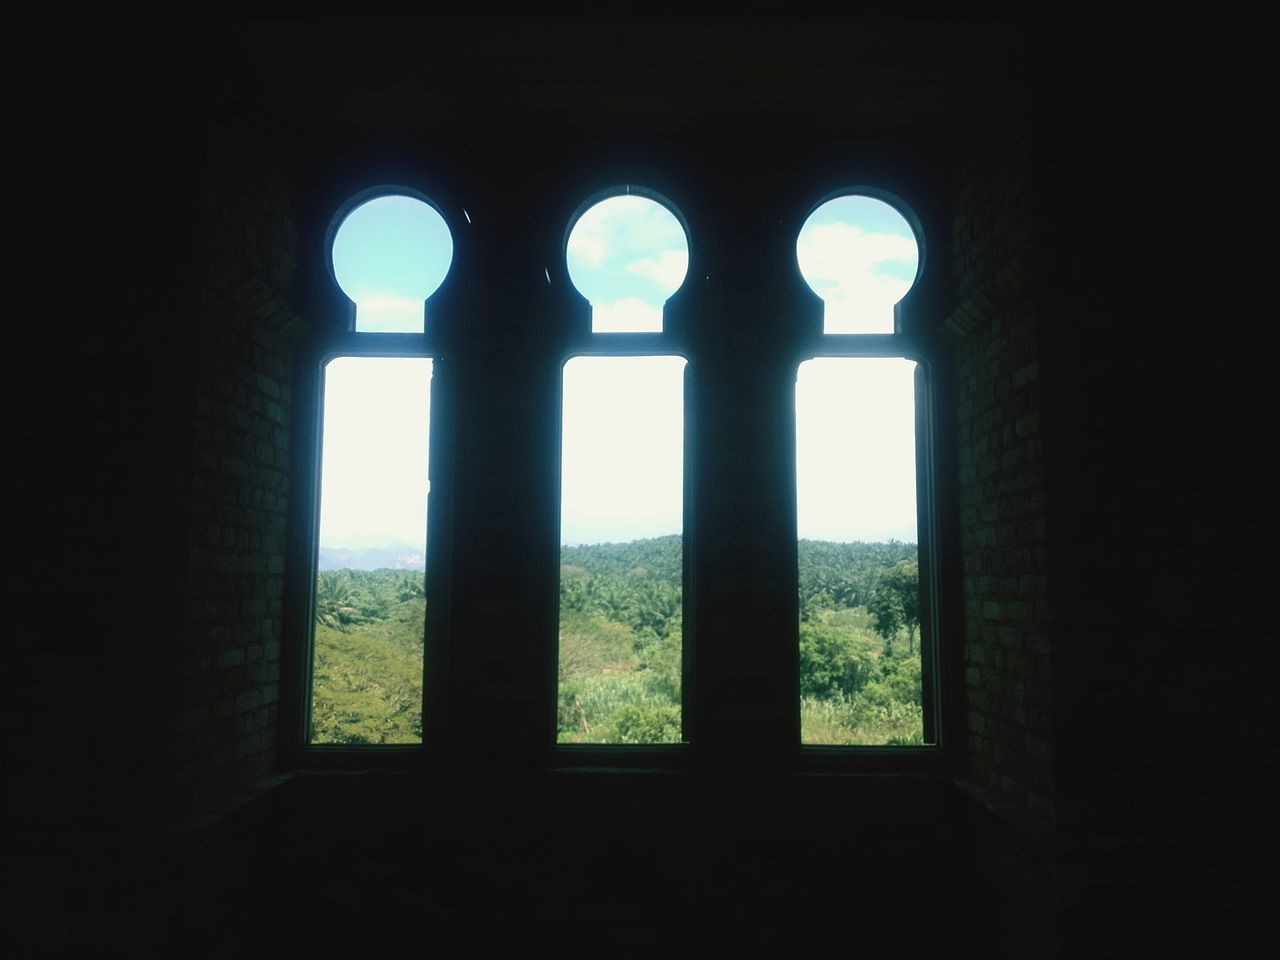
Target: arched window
866,657
621,623
389,253
377,671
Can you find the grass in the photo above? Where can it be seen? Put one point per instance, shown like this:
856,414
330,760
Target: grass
864,719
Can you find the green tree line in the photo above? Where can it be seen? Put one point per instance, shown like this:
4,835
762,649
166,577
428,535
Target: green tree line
366,675
620,646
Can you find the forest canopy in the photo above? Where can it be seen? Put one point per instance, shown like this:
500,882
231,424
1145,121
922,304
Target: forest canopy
620,647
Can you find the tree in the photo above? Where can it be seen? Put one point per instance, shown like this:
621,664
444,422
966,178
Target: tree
654,608
895,603
833,661
335,600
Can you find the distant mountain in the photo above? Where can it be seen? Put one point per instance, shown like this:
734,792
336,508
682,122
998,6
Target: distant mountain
373,558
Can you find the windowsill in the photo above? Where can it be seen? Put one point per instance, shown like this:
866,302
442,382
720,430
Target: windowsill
665,758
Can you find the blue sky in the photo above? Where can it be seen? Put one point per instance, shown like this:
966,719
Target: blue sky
860,255
627,255
389,255
622,454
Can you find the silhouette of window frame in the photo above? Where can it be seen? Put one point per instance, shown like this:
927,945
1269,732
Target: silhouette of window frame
335,337
671,341
900,344
338,338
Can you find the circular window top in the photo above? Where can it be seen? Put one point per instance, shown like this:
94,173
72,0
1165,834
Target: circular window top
389,255
627,255
860,255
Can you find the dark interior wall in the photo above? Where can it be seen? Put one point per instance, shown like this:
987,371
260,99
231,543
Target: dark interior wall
1145,401
1098,424
1100,467
242,415
1148,480
100,227
1001,520
153,393
1000,473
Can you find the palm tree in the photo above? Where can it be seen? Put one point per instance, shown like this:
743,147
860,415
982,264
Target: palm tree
334,600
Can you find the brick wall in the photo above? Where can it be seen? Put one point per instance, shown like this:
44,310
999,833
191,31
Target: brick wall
1147,474
237,524
1102,468
153,393
1000,469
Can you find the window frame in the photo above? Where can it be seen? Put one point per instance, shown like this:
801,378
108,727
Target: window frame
902,343
926,539
335,337
583,341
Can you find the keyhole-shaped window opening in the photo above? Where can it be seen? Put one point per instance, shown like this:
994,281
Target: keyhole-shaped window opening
389,255
627,255
860,255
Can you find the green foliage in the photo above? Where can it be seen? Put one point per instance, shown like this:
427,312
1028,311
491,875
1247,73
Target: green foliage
901,678
834,660
860,721
885,710
367,667
636,724
620,653
855,601
895,602
835,576
590,643
347,598
853,691
638,584
662,662
625,707
659,559
620,647
621,616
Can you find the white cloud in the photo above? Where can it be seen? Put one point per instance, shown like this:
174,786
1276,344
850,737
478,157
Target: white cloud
845,255
388,313
849,268
621,237
588,243
667,271
604,227
628,315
